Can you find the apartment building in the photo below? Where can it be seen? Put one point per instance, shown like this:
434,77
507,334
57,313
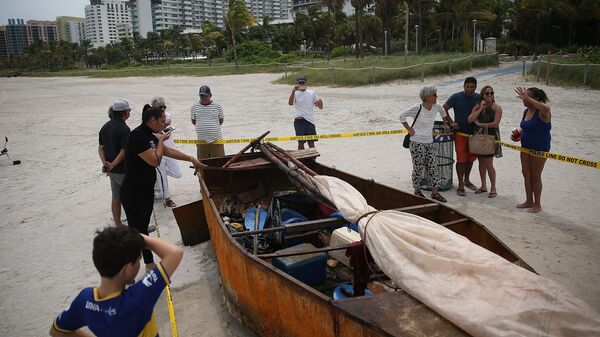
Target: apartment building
43,31
107,21
190,14
71,28
3,43
16,36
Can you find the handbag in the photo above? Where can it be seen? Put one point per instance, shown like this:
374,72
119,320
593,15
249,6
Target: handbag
482,143
406,141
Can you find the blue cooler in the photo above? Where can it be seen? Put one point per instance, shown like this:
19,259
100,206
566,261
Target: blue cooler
308,268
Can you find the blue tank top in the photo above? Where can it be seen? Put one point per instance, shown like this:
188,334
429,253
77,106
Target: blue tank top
536,133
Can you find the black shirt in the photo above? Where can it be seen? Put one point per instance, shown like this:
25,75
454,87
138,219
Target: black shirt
140,175
113,136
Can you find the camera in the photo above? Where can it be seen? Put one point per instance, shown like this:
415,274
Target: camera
169,129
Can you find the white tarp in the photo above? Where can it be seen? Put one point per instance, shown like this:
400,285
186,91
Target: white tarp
477,290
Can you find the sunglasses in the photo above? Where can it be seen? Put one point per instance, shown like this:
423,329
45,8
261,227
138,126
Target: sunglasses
489,93
163,106
301,82
434,94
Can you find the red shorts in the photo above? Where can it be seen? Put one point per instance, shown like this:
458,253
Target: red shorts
461,146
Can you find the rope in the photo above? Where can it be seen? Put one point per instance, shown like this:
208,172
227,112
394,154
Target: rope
365,238
169,298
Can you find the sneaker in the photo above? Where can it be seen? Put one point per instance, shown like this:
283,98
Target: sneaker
169,203
151,228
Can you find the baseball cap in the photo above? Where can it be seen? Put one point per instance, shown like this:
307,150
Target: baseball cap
301,79
204,90
120,105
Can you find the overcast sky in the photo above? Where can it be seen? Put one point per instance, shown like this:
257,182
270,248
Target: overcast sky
40,9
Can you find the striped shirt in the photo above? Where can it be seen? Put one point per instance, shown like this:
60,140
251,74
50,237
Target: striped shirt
207,119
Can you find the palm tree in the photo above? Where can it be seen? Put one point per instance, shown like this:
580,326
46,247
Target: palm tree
359,8
236,18
386,10
333,6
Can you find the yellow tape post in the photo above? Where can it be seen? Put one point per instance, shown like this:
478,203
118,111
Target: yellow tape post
549,155
169,298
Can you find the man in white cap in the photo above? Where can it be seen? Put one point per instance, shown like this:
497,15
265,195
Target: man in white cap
208,117
112,139
304,101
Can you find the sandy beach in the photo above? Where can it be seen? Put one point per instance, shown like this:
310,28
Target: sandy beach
55,200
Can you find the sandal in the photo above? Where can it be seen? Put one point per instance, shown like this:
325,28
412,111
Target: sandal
470,186
479,191
461,192
492,195
169,203
418,193
438,197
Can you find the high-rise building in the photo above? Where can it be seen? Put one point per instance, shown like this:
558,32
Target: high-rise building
213,11
141,16
191,14
43,31
3,45
16,36
107,21
71,28
275,9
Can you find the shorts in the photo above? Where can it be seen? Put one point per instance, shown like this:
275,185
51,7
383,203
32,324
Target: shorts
461,146
210,150
304,128
116,180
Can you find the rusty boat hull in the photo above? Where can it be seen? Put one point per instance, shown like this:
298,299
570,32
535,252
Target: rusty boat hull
271,303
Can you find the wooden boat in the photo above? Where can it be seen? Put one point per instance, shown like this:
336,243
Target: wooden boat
272,303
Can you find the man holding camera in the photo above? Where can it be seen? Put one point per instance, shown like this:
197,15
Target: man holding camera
304,101
112,139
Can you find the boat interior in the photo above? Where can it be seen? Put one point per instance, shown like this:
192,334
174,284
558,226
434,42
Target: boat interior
269,218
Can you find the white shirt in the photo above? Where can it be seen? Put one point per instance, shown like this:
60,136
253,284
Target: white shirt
304,104
208,127
424,125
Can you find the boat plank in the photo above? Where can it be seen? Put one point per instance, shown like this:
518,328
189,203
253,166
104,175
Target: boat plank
387,309
261,161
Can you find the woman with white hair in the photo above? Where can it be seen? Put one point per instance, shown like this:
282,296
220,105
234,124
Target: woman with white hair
168,166
421,139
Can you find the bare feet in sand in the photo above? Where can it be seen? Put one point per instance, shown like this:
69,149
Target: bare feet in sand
534,209
524,205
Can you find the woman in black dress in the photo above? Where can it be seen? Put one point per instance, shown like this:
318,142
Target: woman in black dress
487,114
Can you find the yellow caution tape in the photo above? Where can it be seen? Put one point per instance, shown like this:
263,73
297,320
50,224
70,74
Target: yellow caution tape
549,155
169,298
290,138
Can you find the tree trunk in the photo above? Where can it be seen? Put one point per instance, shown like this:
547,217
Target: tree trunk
419,16
235,59
359,32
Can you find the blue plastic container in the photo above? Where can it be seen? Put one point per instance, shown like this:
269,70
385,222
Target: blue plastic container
346,290
309,268
338,215
250,218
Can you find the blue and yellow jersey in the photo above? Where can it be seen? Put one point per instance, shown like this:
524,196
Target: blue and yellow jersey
127,313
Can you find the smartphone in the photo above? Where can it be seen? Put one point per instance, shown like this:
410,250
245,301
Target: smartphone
169,128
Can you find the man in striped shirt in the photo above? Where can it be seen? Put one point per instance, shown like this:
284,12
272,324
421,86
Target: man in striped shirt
208,116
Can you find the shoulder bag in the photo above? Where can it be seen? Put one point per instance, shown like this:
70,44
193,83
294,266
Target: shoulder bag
406,141
482,143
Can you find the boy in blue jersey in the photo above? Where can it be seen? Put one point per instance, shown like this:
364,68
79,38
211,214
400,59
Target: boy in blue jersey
109,309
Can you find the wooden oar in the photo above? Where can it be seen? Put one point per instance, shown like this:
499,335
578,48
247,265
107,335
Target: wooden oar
295,176
298,163
252,144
